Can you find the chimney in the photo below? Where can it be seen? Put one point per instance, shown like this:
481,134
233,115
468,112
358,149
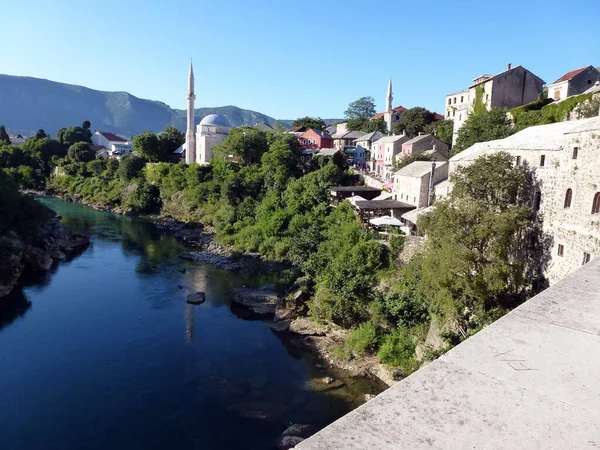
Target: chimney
434,148
431,189
508,66
420,133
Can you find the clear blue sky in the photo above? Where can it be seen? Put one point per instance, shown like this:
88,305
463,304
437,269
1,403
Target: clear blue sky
290,58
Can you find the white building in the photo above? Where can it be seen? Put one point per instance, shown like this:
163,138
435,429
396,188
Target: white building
413,183
211,131
111,145
574,82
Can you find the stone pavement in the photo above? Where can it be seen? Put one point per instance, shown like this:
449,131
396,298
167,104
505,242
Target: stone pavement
531,380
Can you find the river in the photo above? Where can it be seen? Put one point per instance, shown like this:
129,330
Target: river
104,353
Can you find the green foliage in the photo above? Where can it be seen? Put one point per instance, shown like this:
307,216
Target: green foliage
310,122
403,162
442,129
478,256
398,350
148,146
414,120
396,245
588,108
370,126
361,109
73,135
130,166
545,111
558,112
245,145
363,339
170,139
81,152
4,139
483,126
405,304
145,198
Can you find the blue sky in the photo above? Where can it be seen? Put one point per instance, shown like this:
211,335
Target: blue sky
289,58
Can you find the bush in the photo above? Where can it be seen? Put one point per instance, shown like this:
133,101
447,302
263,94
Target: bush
398,350
396,246
362,339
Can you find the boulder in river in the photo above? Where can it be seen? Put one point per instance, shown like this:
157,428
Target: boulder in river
260,301
306,327
196,298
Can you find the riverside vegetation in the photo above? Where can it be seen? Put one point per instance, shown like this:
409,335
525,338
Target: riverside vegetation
261,196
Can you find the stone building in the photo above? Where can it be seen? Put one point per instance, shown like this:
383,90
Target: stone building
574,82
422,143
565,158
514,87
384,151
413,183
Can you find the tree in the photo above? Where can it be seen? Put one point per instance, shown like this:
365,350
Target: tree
40,134
245,145
483,126
130,166
86,125
282,162
310,122
414,120
148,146
442,129
4,139
170,140
484,243
359,112
81,152
70,136
371,126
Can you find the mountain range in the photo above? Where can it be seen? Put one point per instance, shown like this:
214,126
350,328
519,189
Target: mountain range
28,104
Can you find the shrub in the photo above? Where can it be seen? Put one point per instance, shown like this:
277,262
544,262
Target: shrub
396,246
362,339
398,350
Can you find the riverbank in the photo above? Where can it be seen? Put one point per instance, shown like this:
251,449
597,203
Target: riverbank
49,243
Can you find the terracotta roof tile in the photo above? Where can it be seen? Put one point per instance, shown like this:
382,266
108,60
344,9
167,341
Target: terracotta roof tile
567,76
112,137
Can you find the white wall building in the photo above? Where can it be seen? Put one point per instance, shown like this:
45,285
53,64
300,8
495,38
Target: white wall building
412,183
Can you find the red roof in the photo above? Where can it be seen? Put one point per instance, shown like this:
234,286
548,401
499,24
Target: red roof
567,76
97,148
112,137
394,109
438,116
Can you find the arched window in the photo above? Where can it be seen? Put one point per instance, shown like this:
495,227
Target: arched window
537,200
568,197
596,204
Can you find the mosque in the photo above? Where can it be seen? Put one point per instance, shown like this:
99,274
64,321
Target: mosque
211,131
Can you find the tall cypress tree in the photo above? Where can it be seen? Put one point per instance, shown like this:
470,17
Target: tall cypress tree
4,139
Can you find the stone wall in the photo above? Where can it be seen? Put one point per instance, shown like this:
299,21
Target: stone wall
371,181
575,228
412,246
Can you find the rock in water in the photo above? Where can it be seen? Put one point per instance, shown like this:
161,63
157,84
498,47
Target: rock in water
301,430
197,298
281,326
260,301
287,442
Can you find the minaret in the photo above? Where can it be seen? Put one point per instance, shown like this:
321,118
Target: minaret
190,135
388,110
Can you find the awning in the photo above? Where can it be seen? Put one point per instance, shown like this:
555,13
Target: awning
412,216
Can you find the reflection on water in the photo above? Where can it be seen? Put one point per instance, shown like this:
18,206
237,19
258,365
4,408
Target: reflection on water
111,355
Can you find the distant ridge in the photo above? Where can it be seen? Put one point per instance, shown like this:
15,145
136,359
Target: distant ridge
28,104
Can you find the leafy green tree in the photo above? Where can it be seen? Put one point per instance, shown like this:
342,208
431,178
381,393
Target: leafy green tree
81,152
245,145
370,126
130,166
310,122
70,136
170,139
148,146
414,120
96,167
145,198
282,162
86,125
40,134
4,139
359,112
442,129
484,243
483,126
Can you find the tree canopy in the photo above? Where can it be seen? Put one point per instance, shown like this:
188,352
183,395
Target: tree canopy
244,144
359,112
483,126
310,122
414,120
4,139
70,136
81,152
442,129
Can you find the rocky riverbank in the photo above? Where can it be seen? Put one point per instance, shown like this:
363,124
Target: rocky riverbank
48,244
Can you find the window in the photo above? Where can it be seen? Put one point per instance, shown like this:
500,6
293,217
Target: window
414,199
455,100
568,197
537,201
586,258
561,250
397,117
461,98
542,160
448,113
487,97
453,112
518,161
449,101
459,117
575,151
596,204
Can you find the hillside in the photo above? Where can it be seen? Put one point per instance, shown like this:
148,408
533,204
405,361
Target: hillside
27,104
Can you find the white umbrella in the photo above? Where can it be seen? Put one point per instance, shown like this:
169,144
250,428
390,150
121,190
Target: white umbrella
386,220
356,198
383,196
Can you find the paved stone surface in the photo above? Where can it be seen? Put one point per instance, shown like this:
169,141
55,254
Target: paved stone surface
531,380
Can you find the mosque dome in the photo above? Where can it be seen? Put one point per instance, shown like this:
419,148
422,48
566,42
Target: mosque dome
215,120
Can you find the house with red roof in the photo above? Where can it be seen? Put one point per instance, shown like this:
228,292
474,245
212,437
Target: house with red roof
574,82
115,146
313,139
